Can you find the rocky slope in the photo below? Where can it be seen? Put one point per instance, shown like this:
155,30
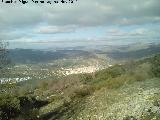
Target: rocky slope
130,102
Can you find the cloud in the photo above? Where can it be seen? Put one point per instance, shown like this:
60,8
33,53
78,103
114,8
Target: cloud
145,32
11,35
35,20
115,32
55,29
139,31
84,13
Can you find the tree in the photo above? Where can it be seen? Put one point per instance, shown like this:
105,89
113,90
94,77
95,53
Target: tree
4,60
4,64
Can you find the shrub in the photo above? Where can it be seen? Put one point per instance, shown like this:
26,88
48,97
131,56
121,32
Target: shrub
156,65
129,118
83,91
86,78
150,116
116,71
142,72
115,83
9,106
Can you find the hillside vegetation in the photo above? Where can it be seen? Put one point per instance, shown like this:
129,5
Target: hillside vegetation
121,92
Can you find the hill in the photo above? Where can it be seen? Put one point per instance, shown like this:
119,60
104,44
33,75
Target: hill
29,56
124,92
135,53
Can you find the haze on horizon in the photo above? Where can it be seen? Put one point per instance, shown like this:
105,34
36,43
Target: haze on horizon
84,23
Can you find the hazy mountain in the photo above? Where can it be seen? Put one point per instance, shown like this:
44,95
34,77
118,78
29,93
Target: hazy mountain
34,56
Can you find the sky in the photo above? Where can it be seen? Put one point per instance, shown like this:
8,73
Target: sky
83,23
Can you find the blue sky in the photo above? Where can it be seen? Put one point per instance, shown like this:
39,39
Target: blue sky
86,22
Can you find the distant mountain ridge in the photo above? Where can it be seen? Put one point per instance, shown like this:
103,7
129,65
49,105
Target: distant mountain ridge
36,56
135,54
122,52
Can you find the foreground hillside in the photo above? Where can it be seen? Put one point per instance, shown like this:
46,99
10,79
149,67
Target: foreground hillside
129,101
129,91
121,92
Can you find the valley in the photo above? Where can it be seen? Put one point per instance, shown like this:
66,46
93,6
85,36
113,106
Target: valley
82,85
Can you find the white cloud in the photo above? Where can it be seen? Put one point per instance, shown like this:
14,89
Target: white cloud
116,32
54,29
139,31
11,35
85,13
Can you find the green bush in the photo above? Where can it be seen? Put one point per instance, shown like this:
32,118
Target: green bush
150,116
86,78
103,76
84,91
9,106
142,72
116,71
156,65
13,106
